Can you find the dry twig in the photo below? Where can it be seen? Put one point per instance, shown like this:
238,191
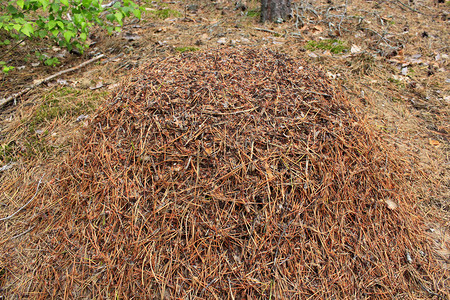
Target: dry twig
26,204
7,100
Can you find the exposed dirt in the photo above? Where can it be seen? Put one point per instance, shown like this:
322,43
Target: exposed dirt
398,79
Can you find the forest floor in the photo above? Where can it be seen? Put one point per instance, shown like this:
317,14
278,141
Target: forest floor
391,59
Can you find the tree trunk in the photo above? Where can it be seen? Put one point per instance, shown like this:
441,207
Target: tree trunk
275,10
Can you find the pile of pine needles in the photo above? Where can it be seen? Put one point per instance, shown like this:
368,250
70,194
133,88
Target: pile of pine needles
228,174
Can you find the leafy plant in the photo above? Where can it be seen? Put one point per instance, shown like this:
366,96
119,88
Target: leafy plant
5,43
48,61
52,61
5,68
67,22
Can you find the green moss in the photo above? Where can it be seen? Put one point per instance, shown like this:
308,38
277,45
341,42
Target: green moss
59,108
186,49
37,145
166,13
253,13
333,45
64,102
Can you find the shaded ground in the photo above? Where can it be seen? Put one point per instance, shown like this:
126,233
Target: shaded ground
398,79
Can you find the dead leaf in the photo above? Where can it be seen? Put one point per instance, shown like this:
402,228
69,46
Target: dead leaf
317,29
391,204
268,171
97,86
355,49
434,142
177,168
208,151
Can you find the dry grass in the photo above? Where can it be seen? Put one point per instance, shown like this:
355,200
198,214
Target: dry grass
234,173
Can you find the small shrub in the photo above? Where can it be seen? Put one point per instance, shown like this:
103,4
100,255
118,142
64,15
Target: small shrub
5,68
48,61
66,22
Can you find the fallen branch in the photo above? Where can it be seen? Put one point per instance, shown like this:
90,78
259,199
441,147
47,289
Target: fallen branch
266,30
12,48
23,233
229,113
412,9
110,4
5,101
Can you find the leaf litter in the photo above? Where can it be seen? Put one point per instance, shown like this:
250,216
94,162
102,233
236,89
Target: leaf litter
233,173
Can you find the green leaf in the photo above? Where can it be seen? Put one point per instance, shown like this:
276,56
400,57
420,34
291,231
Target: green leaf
68,36
44,4
78,18
53,61
137,13
12,10
86,3
51,24
119,17
110,17
71,27
27,29
88,16
42,34
126,10
54,7
19,20
83,36
60,24
41,22
6,69
65,2
20,3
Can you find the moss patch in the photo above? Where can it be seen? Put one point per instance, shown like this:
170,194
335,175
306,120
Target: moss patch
186,49
64,102
333,45
254,13
166,13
